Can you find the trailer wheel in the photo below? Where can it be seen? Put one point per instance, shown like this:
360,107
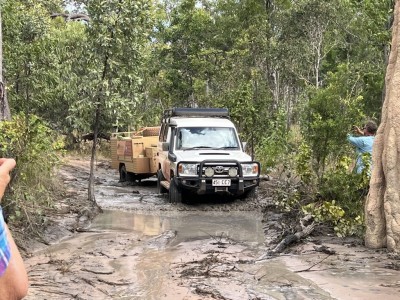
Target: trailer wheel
160,177
175,195
123,175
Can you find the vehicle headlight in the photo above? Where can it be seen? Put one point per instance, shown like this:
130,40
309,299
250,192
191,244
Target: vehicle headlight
187,169
250,169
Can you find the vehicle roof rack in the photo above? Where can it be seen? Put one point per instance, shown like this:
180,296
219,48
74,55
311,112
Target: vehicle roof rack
196,112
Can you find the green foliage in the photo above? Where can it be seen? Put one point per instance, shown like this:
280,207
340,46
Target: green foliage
302,164
287,196
340,199
326,211
329,213
113,56
273,148
329,116
345,187
33,145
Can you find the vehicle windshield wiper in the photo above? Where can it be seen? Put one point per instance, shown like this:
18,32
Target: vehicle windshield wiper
228,147
198,147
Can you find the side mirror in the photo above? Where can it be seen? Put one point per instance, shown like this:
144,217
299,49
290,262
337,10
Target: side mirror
165,146
244,144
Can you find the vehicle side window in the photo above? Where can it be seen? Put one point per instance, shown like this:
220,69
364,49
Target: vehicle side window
171,138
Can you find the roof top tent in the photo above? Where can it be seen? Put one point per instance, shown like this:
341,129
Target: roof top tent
196,112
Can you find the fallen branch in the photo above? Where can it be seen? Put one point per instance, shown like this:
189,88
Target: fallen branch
99,272
113,282
292,238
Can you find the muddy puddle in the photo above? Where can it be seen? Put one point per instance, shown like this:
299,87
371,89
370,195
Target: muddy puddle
236,226
185,255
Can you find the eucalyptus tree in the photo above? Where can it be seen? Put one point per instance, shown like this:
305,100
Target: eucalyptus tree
212,53
116,35
243,79
336,81
187,31
367,48
26,25
42,57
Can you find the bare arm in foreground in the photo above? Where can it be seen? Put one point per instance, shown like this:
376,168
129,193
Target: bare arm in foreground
13,276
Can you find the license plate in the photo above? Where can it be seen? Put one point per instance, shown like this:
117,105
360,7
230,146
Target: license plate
221,182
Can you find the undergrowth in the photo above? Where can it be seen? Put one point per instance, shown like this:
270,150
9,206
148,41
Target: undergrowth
36,149
334,198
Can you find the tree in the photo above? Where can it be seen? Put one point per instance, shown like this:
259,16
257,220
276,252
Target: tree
115,38
382,208
30,58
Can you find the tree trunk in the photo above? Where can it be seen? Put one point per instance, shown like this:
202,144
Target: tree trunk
4,108
91,192
382,208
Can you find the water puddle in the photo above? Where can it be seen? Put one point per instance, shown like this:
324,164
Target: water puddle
209,252
237,226
187,255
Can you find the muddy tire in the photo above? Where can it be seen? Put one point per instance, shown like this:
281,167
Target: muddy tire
175,195
124,175
160,188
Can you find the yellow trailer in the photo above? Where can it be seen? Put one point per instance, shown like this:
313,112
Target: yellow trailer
134,154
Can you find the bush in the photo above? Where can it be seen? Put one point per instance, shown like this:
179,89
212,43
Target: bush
340,199
273,149
34,147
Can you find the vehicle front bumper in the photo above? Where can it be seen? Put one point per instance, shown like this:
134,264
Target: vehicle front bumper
204,185
201,184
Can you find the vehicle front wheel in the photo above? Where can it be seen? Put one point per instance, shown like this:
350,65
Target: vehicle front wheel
160,188
175,195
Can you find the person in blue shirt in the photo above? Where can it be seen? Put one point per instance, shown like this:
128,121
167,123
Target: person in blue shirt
363,141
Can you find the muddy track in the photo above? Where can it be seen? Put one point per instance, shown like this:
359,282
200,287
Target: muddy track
142,247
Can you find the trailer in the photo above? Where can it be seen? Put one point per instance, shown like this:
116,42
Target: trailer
134,154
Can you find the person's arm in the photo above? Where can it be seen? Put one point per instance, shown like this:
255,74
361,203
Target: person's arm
13,277
14,282
357,130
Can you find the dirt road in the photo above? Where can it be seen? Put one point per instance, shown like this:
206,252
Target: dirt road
142,247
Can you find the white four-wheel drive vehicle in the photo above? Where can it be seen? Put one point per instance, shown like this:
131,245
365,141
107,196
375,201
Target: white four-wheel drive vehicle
199,152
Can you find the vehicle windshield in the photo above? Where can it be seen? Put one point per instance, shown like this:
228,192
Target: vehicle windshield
206,138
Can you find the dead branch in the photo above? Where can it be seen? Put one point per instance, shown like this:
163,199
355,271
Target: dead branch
113,283
293,238
101,272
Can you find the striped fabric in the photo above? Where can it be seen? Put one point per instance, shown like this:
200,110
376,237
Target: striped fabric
4,246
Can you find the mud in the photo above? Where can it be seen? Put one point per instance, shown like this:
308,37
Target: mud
142,247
